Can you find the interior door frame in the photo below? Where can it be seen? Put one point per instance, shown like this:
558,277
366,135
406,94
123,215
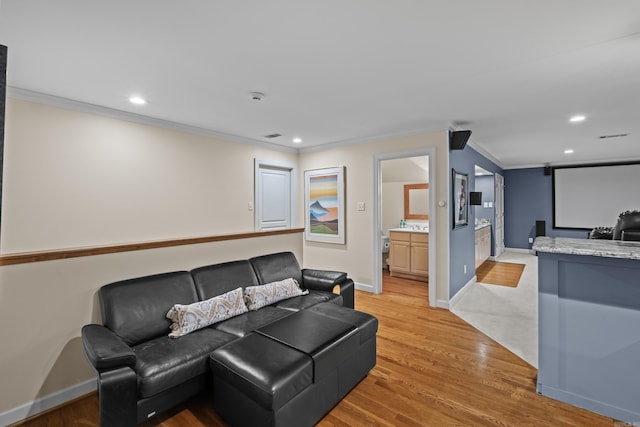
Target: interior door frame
377,216
498,196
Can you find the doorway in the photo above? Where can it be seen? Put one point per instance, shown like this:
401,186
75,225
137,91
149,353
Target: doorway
382,223
491,185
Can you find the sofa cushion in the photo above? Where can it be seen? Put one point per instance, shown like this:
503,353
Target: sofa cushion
257,297
366,323
166,362
248,322
268,372
136,309
213,280
275,267
309,300
188,318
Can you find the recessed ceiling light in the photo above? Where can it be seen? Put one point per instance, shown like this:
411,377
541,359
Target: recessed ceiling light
137,100
569,151
297,140
576,119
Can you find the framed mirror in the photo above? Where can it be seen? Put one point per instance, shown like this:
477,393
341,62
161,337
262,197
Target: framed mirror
416,201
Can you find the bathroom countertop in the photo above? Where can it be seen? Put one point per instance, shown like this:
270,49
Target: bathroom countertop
479,226
410,230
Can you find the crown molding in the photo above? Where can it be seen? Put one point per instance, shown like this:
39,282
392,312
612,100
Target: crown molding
480,149
373,138
84,107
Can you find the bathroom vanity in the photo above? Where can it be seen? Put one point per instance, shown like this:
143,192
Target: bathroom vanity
483,243
409,253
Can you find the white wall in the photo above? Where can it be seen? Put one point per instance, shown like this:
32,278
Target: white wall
145,183
393,205
76,179
356,256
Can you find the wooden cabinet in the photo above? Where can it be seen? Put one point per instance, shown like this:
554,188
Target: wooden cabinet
409,255
483,245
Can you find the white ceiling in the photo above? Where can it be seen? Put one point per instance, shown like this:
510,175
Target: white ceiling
335,71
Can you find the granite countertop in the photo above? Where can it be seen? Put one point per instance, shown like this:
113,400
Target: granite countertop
411,230
594,247
479,226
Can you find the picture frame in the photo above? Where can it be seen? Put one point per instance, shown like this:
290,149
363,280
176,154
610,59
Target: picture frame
460,199
324,205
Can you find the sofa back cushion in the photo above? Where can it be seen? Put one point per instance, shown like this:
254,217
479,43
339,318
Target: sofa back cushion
218,279
276,267
136,309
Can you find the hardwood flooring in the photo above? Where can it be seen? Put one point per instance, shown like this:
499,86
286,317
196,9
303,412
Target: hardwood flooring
433,369
500,273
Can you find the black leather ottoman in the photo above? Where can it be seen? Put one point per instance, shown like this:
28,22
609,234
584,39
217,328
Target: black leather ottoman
286,373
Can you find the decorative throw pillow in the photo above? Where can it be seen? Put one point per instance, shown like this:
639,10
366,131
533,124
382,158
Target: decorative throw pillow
258,296
188,318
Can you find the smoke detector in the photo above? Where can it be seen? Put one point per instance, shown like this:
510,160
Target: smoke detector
256,96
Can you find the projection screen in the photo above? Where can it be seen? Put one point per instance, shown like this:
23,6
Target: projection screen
590,196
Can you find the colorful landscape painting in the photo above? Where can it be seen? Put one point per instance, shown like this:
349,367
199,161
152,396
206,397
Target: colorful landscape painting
323,208
324,205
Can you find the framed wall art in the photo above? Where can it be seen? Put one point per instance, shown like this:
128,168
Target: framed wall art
459,199
324,205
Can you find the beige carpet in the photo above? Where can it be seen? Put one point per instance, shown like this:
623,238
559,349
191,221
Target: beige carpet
507,315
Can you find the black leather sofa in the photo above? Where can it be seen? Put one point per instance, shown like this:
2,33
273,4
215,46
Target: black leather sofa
142,371
627,228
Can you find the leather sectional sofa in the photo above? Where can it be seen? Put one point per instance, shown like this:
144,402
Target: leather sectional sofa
277,363
627,228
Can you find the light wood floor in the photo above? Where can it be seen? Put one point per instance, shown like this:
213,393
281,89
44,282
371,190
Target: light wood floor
433,369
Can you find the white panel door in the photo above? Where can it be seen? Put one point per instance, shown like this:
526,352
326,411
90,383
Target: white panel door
499,212
273,208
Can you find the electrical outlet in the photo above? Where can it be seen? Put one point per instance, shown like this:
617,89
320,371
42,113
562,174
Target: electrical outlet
360,206
250,206
530,239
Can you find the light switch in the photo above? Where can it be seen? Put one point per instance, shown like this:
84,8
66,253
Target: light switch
360,206
250,206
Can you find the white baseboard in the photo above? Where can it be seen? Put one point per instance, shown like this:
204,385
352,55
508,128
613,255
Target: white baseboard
442,304
520,250
448,305
44,403
363,287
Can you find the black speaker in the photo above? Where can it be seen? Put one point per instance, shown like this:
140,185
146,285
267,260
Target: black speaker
475,198
547,170
541,228
458,139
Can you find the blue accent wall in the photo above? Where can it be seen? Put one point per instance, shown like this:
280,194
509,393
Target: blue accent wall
462,249
528,197
486,185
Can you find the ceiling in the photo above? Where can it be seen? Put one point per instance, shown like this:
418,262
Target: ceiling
512,71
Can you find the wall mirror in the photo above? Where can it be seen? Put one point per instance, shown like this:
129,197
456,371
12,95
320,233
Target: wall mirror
416,201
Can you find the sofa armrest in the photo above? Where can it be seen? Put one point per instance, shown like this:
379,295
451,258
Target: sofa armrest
348,294
322,280
325,280
105,350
